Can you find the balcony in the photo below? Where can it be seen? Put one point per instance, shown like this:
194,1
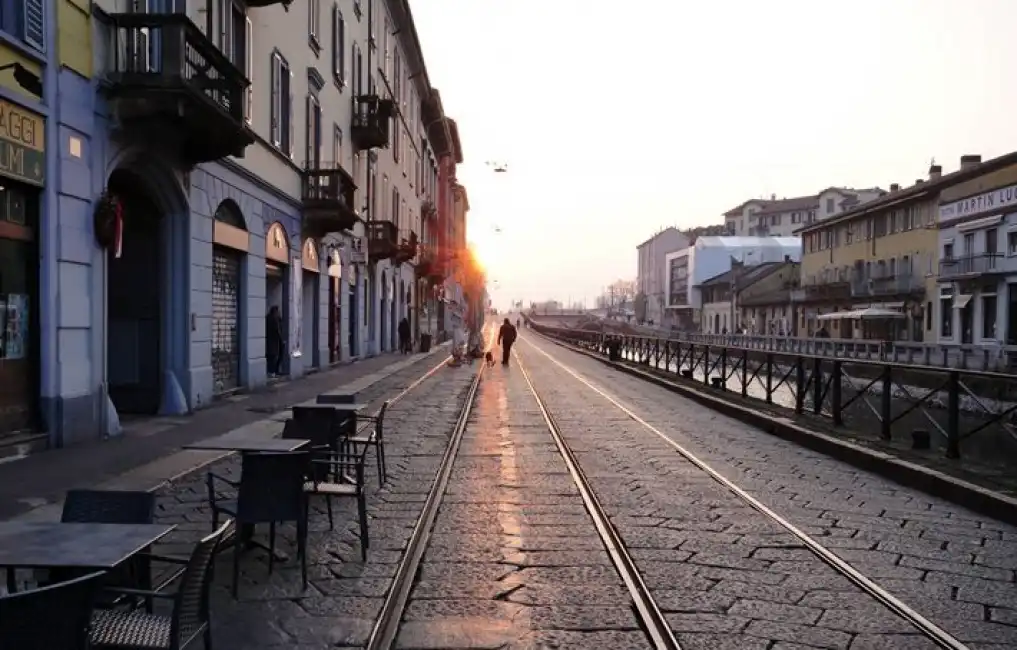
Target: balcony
372,118
170,82
328,194
833,290
382,240
407,249
430,265
971,266
891,285
428,210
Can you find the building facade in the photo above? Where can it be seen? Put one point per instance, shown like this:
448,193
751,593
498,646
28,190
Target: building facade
976,299
651,283
207,237
783,217
884,254
32,144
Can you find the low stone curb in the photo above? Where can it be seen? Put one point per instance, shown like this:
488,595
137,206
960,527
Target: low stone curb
964,493
169,469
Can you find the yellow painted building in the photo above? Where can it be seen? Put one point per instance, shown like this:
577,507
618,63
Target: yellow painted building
879,256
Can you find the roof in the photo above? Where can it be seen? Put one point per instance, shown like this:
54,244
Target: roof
668,229
915,192
745,275
794,204
744,242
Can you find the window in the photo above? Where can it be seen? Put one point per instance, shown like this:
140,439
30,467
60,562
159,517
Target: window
384,48
989,316
946,316
281,131
314,24
395,207
358,71
338,46
397,133
337,145
1011,314
829,206
26,20
948,251
1011,242
928,316
312,134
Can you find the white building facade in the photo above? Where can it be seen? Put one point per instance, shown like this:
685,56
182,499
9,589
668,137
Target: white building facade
775,217
652,274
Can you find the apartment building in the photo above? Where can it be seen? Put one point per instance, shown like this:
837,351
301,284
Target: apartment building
976,299
876,264
237,201
651,285
750,299
783,217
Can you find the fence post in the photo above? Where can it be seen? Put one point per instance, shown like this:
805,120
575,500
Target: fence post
886,410
953,436
835,394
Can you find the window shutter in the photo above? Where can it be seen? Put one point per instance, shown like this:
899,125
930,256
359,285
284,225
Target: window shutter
308,127
249,70
274,108
290,120
35,24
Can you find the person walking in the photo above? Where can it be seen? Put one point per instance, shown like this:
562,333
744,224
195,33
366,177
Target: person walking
506,337
404,336
273,340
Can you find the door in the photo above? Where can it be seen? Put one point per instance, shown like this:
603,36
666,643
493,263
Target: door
226,266
334,319
352,314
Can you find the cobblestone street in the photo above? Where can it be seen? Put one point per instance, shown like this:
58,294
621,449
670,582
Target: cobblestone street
515,561
730,575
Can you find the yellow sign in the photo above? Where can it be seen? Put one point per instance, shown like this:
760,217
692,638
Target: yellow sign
22,144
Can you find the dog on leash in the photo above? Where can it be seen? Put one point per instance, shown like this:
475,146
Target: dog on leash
489,359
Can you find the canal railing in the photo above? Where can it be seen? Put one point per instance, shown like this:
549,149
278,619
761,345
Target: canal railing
953,403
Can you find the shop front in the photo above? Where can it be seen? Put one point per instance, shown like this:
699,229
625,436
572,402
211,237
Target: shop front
335,306
310,303
22,168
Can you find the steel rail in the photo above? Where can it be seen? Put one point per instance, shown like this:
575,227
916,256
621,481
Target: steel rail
652,618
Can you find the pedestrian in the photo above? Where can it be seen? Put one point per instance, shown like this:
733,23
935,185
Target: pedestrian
273,340
506,337
404,336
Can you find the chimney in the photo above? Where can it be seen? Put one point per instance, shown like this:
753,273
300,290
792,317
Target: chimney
935,172
969,161
894,187
919,181
773,197
787,259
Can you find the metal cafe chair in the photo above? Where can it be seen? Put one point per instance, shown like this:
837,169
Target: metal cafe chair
270,491
190,619
341,474
374,436
49,618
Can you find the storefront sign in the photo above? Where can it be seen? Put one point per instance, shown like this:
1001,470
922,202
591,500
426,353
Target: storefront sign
310,256
1001,199
358,250
22,144
277,246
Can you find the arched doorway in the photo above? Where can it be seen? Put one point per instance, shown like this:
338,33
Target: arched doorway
335,301
310,303
134,300
230,243
277,299
383,309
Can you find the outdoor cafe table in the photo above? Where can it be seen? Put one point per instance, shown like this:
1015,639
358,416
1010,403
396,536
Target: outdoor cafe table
250,446
51,545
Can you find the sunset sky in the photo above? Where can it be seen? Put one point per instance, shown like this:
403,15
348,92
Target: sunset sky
616,119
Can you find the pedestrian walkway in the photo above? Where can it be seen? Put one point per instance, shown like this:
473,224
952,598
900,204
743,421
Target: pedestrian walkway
43,478
514,560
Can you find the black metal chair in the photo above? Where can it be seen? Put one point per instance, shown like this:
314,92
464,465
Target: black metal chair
119,629
270,491
323,426
341,474
113,507
374,436
51,617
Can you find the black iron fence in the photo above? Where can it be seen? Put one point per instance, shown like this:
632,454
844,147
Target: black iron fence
925,406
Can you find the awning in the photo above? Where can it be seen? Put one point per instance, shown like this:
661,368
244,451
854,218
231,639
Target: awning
961,300
871,313
978,224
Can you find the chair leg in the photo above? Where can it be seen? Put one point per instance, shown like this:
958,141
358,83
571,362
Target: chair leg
362,511
383,460
271,547
328,506
302,551
380,459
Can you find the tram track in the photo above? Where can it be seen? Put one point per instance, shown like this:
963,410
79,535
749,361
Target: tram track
923,625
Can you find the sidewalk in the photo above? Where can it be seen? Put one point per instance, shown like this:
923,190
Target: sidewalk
43,478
